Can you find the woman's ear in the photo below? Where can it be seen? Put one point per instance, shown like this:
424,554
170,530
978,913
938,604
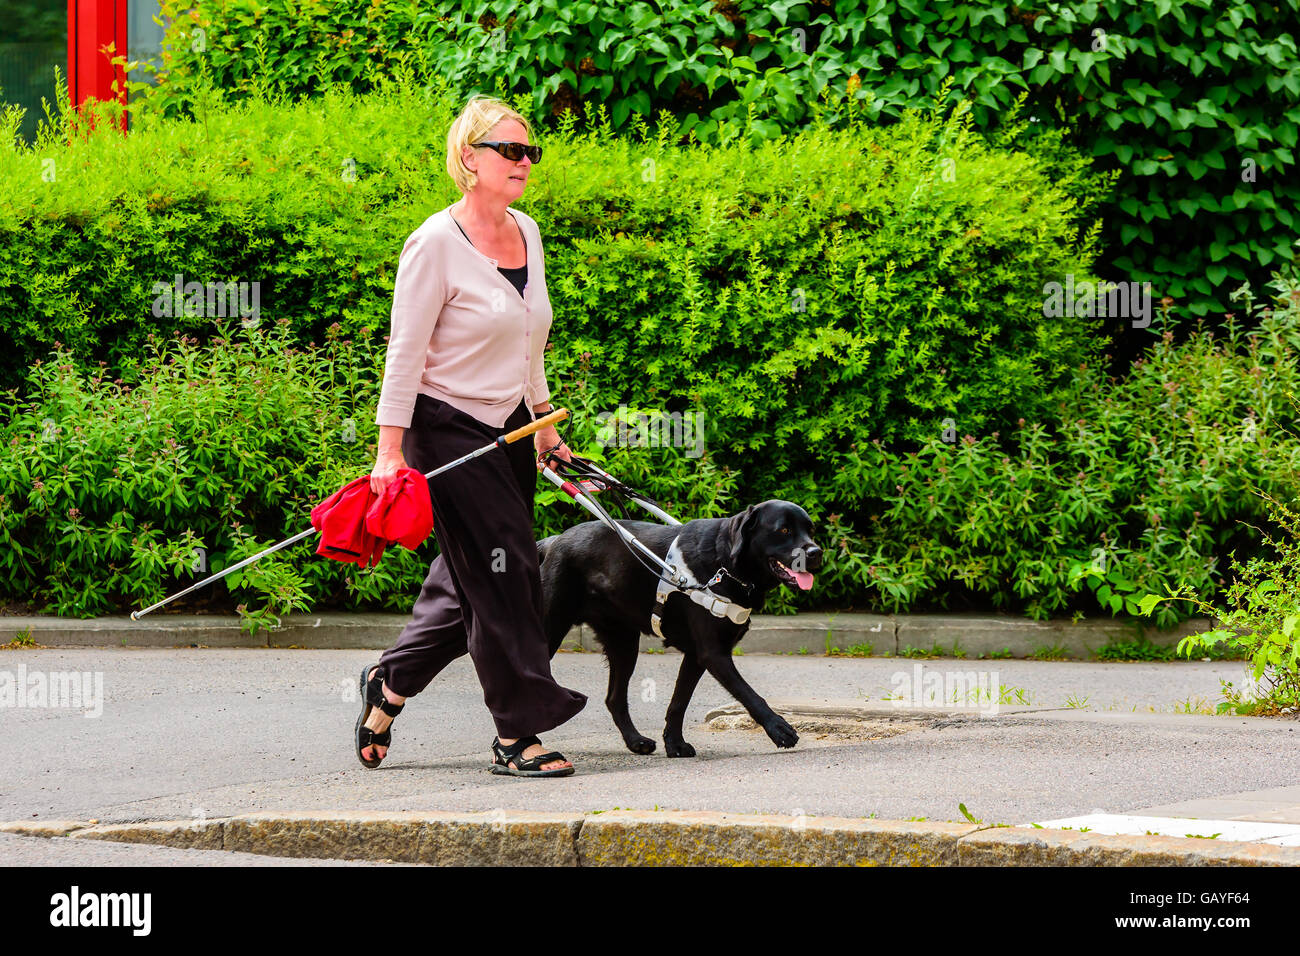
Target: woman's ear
736,532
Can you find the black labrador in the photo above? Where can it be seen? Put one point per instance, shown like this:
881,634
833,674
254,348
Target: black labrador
590,576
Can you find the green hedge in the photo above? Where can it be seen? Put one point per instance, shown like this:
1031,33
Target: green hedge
805,295
804,291
112,496
1195,103
918,319
1155,474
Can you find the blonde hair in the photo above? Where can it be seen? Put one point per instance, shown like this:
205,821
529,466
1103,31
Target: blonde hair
475,121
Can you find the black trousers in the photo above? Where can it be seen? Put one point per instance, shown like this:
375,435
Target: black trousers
483,592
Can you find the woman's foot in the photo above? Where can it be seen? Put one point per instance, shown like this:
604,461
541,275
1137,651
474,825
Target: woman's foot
378,721
532,751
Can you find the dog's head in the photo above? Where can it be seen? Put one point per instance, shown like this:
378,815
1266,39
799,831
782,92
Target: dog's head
776,537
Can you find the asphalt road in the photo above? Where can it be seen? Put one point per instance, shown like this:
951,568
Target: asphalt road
203,732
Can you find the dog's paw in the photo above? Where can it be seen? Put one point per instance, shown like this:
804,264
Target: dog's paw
640,745
782,734
678,749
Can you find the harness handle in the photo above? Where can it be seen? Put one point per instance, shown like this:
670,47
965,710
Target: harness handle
523,431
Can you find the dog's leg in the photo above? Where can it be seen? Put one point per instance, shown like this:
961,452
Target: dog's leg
718,662
557,615
621,651
688,675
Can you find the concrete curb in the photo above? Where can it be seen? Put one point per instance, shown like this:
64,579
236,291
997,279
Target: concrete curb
659,838
810,633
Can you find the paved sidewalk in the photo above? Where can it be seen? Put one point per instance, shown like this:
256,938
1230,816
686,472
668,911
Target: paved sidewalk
201,734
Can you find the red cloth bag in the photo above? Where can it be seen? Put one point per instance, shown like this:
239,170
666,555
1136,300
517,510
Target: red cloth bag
404,512
356,525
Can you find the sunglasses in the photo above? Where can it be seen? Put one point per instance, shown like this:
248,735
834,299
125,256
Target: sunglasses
514,151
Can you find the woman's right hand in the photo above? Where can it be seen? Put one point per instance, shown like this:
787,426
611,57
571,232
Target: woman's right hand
387,464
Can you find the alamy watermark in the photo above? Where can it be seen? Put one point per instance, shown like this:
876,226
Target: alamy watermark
127,910
209,299
78,690
1105,299
660,430
918,688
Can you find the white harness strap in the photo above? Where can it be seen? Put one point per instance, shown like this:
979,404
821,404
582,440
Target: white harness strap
716,605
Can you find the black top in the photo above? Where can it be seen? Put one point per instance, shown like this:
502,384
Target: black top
518,276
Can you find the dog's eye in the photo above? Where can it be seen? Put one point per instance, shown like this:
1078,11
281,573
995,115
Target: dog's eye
785,530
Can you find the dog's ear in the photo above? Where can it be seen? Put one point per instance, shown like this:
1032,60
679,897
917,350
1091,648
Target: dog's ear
739,527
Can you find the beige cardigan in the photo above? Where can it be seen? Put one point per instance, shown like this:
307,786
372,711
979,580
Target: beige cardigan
460,331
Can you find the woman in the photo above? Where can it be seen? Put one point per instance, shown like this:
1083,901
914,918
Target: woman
470,320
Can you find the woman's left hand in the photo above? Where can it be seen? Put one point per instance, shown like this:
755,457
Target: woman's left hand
545,438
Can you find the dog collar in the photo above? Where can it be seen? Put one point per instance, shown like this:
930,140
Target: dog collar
686,583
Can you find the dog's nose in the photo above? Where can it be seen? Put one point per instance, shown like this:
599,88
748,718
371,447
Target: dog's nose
813,557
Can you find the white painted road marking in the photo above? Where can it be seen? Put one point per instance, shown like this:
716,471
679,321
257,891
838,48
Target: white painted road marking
1244,831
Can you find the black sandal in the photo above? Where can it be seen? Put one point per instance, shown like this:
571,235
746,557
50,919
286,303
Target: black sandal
372,695
532,767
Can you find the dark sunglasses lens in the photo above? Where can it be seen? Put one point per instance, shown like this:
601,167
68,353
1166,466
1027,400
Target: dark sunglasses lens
517,151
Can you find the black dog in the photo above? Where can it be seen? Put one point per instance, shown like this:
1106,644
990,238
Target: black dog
590,576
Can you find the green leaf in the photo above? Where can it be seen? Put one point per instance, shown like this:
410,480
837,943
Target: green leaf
1148,604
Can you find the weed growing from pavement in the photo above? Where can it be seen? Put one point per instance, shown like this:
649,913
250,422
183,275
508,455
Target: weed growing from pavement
1007,694
23,639
853,650
1195,836
936,651
1014,695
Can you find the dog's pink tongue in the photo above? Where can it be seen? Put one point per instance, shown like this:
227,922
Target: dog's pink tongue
803,579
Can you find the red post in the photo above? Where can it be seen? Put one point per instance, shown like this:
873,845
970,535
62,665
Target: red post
92,26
